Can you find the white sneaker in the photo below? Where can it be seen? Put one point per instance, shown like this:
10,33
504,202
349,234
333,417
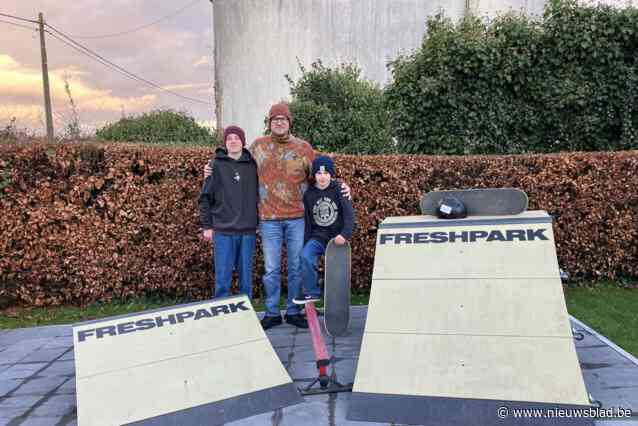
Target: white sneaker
302,300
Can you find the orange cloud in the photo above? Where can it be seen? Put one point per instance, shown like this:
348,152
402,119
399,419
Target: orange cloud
186,86
203,60
21,89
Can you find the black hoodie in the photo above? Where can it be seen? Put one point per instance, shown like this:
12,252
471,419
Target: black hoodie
229,198
327,213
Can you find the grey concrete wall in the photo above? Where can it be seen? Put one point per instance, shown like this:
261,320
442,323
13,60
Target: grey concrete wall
257,42
491,8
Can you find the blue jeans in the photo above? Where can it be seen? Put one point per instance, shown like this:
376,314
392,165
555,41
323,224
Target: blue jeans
273,234
312,251
233,252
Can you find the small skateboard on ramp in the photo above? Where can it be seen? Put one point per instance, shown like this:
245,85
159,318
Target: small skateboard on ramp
337,288
480,202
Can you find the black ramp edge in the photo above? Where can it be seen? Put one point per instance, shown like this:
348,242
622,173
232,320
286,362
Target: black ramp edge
440,411
228,410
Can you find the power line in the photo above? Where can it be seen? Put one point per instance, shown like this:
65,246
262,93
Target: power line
150,24
106,64
95,56
6,15
18,25
120,70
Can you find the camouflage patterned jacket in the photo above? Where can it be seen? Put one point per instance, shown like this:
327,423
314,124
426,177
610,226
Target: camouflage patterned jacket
284,169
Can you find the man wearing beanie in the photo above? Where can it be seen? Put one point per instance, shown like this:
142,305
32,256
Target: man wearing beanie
228,212
328,215
284,168
283,163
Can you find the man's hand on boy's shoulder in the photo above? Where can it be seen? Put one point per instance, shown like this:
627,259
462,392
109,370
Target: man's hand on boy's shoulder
208,169
207,234
345,191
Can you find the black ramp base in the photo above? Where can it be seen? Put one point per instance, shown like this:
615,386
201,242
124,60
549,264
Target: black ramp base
220,412
440,411
337,289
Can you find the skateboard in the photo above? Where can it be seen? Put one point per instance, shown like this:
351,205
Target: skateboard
336,300
480,202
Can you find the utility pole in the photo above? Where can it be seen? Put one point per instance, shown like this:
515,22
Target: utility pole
216,88
45,80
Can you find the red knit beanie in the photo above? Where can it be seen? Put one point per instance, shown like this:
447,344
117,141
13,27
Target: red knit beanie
236,130
280,109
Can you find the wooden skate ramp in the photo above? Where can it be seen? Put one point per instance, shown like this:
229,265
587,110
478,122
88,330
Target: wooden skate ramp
465,317
203,363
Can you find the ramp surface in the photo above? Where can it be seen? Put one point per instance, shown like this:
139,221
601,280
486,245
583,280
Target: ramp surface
202,363
466,316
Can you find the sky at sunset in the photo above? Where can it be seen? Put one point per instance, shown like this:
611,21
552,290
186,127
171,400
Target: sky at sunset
176,54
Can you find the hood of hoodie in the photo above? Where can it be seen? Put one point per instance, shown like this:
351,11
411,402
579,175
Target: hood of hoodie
221,153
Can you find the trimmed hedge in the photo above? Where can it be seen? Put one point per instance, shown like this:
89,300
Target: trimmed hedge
91,222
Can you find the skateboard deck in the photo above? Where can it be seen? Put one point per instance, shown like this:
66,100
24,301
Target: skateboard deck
337,288
480,202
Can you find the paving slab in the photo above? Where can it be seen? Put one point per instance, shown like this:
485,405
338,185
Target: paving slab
55,406
9,385
21,371
281,340
68,356
345,370
39,386
9,413
44,355
41,421
59,368
60,342
312,412
19,343
46,332
67,387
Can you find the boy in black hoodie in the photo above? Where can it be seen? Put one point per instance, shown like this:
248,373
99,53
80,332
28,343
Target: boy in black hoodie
228,212
328,215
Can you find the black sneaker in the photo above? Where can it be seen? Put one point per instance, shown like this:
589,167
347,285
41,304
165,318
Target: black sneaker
302,300
269,322
296,320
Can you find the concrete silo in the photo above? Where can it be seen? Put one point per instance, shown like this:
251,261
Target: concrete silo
257,42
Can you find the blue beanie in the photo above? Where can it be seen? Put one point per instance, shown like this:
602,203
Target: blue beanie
325,162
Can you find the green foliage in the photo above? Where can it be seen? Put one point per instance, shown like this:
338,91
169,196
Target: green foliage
162,126
568,83
337,111
19,317
609,309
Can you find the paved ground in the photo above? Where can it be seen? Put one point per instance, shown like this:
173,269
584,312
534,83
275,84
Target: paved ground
37,376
